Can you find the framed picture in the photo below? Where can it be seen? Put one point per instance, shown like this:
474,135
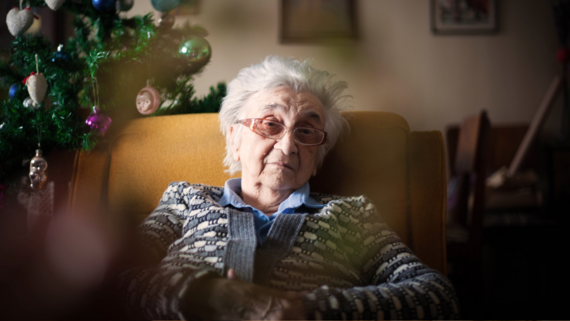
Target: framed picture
463,16
317,20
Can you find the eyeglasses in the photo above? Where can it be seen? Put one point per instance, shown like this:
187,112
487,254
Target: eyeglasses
274,130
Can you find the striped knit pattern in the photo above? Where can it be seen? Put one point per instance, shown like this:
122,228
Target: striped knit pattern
352,265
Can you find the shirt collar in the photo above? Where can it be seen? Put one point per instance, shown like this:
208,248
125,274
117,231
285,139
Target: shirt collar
232,192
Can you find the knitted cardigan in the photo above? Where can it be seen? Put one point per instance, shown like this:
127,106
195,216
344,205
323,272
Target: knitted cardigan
352,265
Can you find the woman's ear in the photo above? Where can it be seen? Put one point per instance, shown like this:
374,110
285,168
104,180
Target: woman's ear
235,148
315,170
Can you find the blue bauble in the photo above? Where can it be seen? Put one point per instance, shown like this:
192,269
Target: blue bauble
104,5
60,57
165,5
14,89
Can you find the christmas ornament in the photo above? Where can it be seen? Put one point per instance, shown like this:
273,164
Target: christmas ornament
14,89
148,100
197,49
104,5
37,86
19,21
60,57
38,166
165,5
54,4
98,121
36,27
29,103
166,20
125,5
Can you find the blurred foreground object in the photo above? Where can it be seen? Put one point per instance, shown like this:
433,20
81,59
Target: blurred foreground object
53,274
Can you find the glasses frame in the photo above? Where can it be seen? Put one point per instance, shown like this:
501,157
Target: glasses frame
250,123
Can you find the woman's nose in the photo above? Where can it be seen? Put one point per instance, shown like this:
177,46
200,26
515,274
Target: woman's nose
287,143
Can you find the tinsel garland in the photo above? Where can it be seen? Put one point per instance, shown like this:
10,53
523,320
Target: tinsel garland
122,54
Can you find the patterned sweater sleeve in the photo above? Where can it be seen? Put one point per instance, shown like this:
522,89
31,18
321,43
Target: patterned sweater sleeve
397,285
154,287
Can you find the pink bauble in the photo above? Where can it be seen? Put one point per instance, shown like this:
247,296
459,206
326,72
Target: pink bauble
98,121
148,100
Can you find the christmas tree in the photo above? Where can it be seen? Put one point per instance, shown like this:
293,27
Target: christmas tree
114,69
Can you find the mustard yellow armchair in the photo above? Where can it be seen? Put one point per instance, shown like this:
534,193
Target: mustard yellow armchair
402,172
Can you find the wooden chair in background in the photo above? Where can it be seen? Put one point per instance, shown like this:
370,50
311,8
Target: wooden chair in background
466,203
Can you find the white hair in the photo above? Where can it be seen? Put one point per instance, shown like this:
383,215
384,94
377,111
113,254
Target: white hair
274,72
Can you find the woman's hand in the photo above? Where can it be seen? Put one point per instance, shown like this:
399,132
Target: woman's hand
231,299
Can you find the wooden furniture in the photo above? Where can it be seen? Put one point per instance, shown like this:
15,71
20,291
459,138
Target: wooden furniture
504,141
402,172
466,215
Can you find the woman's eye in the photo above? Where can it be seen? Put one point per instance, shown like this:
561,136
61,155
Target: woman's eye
305,131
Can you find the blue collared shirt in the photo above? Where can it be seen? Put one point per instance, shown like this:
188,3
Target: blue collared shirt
299,198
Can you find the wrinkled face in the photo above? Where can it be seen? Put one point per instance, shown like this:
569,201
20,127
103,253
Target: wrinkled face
282,164
143,101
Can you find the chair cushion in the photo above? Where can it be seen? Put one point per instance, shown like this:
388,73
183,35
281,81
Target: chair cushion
371,160
150,153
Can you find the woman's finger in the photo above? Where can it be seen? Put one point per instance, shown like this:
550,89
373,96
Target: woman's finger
232,275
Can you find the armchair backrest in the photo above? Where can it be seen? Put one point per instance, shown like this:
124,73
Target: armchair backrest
402,172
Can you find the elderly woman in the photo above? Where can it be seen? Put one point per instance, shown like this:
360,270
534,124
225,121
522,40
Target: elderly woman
263,246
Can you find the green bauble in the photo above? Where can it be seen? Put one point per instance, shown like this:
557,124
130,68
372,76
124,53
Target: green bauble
125,5
165,5
197,49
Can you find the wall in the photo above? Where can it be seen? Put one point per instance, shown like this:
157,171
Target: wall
398,65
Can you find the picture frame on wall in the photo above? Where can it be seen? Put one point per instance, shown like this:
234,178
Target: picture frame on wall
317,20
457,17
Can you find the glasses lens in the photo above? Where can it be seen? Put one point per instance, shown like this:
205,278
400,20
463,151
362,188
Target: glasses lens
309,136
269,128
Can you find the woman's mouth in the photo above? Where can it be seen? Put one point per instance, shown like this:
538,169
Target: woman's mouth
281,164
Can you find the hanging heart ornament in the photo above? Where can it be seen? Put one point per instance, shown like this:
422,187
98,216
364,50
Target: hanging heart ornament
37,86
54,4
19,21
